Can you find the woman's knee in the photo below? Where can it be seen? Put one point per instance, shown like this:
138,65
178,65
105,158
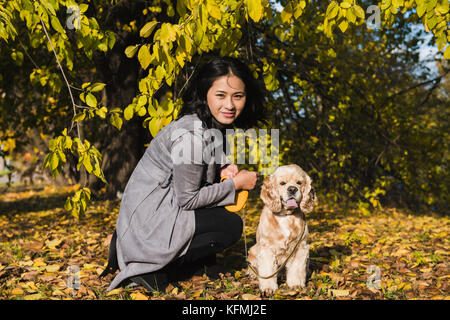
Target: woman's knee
237,227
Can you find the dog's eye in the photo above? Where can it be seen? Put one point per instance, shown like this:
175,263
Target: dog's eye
282,183
299,182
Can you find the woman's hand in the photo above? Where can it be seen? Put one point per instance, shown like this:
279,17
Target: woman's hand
245,180
229,171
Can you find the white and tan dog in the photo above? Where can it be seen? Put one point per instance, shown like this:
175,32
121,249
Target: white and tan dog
287,195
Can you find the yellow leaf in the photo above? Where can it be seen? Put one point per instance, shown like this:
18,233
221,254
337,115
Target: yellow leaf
255,9
39,263
52,244
338,293
130,51
248,296
35,296
17,291
213,9
146,30
57,292
138,296
114,292
197,293
52,268
447,52
144,56
89,266
343,25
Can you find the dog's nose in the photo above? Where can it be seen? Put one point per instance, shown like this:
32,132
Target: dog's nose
292,190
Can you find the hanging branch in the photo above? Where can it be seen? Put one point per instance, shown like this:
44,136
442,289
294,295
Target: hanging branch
65,79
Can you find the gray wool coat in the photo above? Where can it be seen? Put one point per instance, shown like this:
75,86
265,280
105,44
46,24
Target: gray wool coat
156,219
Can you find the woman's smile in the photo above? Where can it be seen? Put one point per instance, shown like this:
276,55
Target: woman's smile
226,98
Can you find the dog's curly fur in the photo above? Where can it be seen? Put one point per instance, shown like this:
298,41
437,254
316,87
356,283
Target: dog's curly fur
280,226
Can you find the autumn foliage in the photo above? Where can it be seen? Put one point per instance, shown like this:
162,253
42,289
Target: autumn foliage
85,85
43,249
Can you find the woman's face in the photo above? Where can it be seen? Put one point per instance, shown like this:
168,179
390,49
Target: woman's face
226,98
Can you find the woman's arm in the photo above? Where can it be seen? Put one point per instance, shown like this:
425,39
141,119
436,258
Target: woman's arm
188,176
187,180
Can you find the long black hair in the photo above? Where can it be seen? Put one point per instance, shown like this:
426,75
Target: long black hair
194,98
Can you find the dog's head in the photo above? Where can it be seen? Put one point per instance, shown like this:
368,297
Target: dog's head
288,188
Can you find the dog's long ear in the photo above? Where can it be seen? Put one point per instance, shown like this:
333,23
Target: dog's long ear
269,194
309,198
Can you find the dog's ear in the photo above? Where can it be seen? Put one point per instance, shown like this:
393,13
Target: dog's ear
269,194
309,198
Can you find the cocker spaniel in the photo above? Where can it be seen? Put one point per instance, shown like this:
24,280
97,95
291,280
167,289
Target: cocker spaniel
287,195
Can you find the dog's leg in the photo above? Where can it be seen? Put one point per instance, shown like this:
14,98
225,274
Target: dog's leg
267,266
296,268
252,259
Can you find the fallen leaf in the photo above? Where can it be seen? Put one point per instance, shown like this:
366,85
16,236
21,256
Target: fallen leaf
52,244
57,292
197,293
52,268
33,246
248,296
138,296
338,293
114,292
17,291
35,296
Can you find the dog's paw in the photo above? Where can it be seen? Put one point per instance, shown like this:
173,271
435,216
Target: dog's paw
295,284
268,289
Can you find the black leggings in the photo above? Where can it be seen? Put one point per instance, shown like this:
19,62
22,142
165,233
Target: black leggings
215,230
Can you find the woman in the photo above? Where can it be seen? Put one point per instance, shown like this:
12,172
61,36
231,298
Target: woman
172,215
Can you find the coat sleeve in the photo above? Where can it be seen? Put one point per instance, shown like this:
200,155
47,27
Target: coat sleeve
187,180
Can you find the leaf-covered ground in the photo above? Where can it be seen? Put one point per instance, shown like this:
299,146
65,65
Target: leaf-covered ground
43,249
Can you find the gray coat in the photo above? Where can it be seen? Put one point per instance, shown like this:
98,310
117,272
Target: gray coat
156,220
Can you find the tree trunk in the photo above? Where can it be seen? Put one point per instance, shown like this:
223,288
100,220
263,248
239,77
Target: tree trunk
121,149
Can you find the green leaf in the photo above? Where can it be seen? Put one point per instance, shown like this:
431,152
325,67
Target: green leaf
147,29
144,56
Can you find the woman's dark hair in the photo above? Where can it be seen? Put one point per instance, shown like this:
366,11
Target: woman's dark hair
194,98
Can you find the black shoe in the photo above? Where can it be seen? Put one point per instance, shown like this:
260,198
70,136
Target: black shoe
183,270
153,281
